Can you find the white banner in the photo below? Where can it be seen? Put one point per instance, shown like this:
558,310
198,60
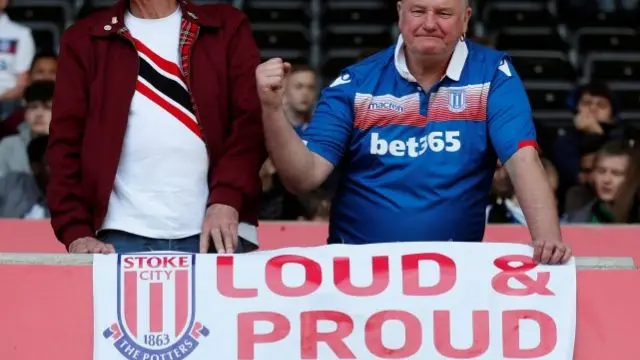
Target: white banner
387,301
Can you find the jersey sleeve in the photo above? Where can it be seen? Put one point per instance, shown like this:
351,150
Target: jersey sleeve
330,128
509,113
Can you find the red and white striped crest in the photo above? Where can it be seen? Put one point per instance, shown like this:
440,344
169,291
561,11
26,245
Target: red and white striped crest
156,304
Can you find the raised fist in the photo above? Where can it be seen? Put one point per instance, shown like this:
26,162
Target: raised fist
270,78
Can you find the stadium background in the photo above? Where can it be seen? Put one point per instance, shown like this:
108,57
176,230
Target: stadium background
553,47
554,44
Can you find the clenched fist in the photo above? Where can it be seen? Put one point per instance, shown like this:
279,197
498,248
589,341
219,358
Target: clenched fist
270,78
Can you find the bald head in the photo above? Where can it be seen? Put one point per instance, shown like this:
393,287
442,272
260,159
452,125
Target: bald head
433,27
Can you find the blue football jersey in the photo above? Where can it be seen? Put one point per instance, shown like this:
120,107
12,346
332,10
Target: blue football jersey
418,163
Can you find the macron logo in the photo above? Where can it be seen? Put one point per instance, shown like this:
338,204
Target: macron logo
504,67
341,80
435,141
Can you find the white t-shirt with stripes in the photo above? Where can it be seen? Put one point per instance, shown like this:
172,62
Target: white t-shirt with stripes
161,186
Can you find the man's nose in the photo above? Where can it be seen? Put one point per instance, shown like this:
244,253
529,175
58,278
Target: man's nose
429,21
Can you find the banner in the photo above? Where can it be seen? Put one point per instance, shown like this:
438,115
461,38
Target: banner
384,301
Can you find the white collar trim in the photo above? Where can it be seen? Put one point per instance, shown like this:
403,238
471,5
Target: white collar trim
454,70
4,18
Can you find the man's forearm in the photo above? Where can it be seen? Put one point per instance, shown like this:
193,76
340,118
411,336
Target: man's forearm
534,194
294,162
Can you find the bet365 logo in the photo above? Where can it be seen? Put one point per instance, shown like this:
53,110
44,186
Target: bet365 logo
435,141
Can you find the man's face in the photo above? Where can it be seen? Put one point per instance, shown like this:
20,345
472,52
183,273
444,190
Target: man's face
586,169
44,69
38,116
597,106
608,175
301,91
431,27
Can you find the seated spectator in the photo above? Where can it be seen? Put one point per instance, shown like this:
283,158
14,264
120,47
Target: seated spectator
595,120
21,193
317,206
582,193
504,207
277,203
43,68
16,53
626,208
13,153
609,173
301,93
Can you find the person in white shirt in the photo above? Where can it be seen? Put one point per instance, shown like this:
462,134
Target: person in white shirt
17,49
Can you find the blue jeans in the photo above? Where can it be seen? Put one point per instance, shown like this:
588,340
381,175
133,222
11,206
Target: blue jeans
125,242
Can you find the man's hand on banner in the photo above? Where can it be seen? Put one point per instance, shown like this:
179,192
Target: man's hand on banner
551,251
220,225
89,245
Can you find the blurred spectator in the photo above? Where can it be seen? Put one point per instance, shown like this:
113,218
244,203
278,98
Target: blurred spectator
43,68
609,173
596,111
626,209
504,207
300,96
277,203
16,52
13,155
582,193
21,193
317,206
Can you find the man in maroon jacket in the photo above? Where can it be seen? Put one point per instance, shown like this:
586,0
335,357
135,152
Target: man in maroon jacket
156,139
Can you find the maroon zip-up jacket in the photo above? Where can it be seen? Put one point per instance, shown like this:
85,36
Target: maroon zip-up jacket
96,80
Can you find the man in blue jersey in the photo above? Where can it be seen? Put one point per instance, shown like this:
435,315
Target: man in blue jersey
418,128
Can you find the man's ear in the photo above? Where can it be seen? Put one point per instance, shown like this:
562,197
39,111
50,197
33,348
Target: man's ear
399,9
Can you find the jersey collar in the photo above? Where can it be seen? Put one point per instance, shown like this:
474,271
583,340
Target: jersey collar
454,69
4,18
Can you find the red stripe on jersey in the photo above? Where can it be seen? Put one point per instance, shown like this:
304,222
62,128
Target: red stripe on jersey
526,143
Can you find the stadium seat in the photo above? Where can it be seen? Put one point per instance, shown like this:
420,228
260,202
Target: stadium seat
281,37
356,39
546,96
46,35
628,96
607,40
58,12
577,17
543,65
519,13
333,65
356,13
528,38
279,12
613,67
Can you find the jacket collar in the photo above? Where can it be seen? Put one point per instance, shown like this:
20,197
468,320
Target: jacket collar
454,70
111,21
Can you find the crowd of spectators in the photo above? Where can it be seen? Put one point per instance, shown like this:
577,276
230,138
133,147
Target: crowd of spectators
592,163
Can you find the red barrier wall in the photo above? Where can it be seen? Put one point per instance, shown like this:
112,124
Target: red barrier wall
46,311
